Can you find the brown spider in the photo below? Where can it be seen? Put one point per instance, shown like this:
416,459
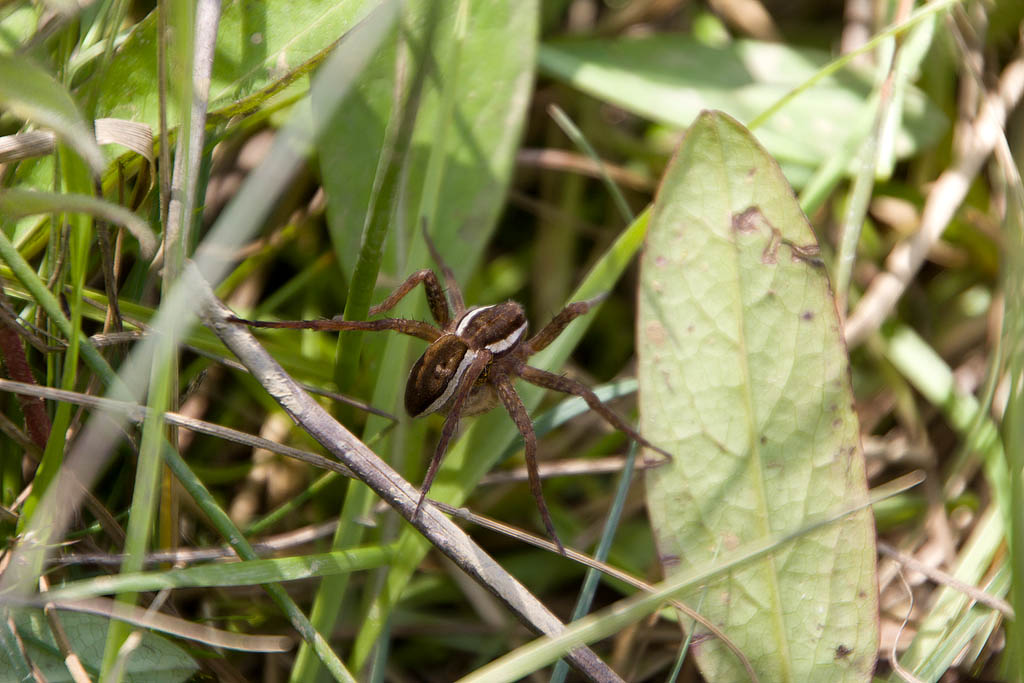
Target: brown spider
474,355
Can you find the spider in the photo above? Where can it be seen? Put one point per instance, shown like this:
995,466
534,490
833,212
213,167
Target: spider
473,356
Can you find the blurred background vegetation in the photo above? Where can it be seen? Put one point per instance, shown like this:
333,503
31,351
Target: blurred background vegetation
469,116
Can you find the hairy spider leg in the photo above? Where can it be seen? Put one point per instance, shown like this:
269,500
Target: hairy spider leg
413,328
451,422
517,411
565,385
540,341
454,293
435,296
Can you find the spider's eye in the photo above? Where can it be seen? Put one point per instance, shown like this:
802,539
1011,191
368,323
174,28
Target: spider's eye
435,376
498,328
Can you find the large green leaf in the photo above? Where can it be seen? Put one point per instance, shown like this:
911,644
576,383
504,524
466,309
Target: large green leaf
744,377
671,78
470,114
155,660
261,46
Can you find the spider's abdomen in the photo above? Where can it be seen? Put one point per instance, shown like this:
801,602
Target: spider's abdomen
436,375
499,328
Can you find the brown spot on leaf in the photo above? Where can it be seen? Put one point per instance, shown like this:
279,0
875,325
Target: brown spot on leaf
842,652
655,333
748,220
807,315
752,219
770,255
808,253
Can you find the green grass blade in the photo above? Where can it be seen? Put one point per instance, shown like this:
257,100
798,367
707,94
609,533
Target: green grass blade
1013,422
246,573
593,577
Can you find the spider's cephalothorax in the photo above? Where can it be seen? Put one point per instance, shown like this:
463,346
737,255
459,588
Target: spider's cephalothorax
473,356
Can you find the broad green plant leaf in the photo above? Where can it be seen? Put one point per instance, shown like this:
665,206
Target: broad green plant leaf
468,124
262,47
155,660
670,79
744,378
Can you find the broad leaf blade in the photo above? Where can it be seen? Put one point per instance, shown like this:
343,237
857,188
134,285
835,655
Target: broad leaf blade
670,79
156,660
744,378
261,48
484,76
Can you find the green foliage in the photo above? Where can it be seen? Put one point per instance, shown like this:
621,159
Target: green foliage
524,136
743,317
670,79
154,660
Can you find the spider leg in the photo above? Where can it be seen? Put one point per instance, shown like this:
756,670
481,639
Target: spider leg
451,422
570,386
454,292
517,411
435,296
558,324
413,328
